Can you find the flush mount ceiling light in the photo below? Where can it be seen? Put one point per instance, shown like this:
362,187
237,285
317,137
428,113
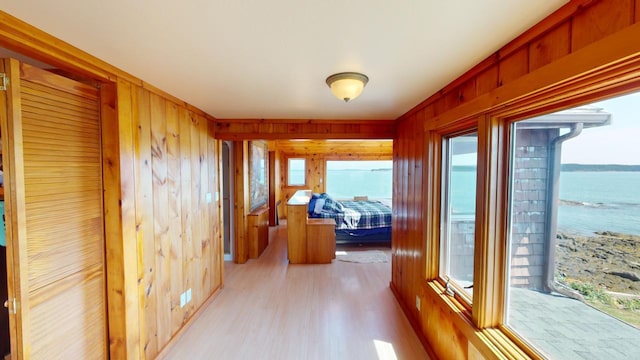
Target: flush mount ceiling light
347,85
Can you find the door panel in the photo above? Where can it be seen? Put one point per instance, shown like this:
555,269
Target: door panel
55,197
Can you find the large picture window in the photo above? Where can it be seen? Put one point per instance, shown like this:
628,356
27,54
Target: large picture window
573,287
350,178
460,156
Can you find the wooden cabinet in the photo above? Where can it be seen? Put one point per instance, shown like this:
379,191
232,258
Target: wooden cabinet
309,241
297,227
258,231
321,241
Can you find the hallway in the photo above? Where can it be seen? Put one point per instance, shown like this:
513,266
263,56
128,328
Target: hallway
271,310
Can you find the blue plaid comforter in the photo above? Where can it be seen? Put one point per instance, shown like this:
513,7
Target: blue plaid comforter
357,214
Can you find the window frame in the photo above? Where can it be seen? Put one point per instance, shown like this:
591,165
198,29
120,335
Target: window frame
289,184
619,76
490,316
449,284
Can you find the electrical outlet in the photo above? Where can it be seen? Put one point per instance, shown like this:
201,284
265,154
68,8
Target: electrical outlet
183,299
207,197
418,302
188,295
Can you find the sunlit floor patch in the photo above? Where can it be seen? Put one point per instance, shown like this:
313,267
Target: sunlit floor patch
385,350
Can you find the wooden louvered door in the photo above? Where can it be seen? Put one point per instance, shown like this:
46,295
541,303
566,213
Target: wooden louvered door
53,201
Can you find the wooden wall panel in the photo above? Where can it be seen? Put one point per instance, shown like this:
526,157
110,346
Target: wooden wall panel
550,47
485,82
241,200
117,108
215,208
261,129
449,342
599,20
175,173
513,67
578,38
146,246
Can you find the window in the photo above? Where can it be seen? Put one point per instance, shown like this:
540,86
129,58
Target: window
347,179
573,288
296,169
460,156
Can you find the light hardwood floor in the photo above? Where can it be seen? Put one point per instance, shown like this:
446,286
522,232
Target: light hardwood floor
269,309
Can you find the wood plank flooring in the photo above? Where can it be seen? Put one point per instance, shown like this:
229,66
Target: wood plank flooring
269,309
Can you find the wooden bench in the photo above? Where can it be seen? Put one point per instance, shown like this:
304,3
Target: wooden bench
309,241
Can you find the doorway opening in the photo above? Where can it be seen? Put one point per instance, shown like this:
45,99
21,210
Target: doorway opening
227,198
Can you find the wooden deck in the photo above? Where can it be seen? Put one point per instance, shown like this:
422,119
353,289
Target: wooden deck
269,309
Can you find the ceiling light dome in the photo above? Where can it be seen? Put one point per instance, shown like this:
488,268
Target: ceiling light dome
347,85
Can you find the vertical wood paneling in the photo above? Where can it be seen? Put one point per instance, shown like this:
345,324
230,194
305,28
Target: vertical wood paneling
120,221
161,217
241,183
174,209
485,82
599,20
200,292
550,47
176,165
395,249
215,208
187,213
196,189
514,66
418,187
143,173
197,201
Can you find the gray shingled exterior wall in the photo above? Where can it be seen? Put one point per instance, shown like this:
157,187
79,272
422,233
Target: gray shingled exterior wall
528,231
528,247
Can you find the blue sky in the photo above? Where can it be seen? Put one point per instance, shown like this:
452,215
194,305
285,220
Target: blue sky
618,143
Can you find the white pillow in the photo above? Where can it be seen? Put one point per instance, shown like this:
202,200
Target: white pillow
319,205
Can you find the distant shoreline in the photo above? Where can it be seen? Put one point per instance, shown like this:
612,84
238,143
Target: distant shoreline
598,168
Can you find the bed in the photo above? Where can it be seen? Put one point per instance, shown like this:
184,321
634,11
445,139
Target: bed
357,222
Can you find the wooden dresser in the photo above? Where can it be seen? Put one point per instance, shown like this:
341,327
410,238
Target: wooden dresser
309,241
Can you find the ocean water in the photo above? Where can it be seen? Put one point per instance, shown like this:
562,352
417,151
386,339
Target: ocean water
590,201
599,201
345,184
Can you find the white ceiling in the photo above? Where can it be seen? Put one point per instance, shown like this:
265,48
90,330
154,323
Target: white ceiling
270,59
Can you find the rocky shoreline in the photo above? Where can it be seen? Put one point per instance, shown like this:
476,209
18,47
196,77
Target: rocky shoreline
607,260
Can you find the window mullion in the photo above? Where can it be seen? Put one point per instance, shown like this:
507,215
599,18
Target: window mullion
490,243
